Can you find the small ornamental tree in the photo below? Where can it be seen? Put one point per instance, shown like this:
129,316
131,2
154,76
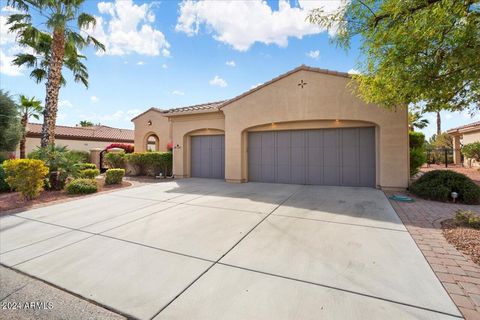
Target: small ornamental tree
472,151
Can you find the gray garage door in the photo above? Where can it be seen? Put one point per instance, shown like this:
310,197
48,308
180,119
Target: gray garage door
336,157
208,157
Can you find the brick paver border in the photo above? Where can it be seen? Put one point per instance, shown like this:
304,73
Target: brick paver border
457,272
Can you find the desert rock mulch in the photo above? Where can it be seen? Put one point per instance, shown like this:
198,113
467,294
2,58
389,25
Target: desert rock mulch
466,240
12,200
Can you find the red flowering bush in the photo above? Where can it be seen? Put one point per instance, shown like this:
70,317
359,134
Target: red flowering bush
170,146
128,148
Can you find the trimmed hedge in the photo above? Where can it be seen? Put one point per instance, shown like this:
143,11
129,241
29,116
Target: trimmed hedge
114,176
151,163
416,139
115,160
82,186
417,159
89,173
26,176
86,165
439,184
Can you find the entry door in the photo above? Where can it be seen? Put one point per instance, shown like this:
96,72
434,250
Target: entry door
208,156
337,157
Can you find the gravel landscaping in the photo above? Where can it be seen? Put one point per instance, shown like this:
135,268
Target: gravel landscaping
465,239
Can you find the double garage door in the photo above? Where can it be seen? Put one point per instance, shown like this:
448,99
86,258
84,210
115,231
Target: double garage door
336,157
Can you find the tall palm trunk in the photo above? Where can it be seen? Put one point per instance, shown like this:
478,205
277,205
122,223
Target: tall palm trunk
439,124
23,139
53,87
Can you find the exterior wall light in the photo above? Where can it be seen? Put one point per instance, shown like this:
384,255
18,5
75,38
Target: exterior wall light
149,122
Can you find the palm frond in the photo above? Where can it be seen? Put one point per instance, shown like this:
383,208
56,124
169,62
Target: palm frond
18,17
38,75
26,59
97,44
84,21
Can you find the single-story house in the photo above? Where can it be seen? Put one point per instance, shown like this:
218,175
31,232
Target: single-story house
464,135
305,127
78,138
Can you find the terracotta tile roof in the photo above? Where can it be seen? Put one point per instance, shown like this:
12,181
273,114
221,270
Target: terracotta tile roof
469,126
197,107
214,106
100,133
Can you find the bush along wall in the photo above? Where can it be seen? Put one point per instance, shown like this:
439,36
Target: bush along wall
417,151
26,176
151,163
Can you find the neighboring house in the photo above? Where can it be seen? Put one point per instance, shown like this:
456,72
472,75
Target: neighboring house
464,135
305,127
79,138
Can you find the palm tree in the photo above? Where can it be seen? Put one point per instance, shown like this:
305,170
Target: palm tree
53,49
28,108
415,120
86,123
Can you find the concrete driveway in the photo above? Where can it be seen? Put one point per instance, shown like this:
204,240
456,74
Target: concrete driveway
205,249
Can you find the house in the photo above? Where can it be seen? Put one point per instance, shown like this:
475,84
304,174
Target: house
464,135
78,138
305,127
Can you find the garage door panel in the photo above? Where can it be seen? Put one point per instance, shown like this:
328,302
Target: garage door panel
343,156
208,156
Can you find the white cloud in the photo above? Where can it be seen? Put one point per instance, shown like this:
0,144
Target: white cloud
6,66
94,99
242,23
65,104
314,54
140,63
178,93
116,118
10,10
231,63
217,81
256,85
353,71
127,28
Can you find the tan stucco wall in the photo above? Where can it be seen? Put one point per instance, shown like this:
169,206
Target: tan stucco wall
325,97
160,126
283,105
80,145
186,126
466,138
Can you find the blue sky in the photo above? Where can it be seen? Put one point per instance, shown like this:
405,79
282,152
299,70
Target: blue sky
170,54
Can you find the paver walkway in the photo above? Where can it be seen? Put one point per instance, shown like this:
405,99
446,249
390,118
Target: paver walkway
459,275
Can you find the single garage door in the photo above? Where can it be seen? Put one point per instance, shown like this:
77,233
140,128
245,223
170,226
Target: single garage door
336,157
208,157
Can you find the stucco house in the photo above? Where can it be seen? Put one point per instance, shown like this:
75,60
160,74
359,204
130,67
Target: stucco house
464,135
305,126
78,138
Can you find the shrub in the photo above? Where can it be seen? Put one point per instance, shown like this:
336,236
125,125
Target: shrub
472,151
114,176
417,159
115,160
82,186
417,139
83,166
151,163
60,162
89,173
4,187
467,218
79,156
439,184
26,176
128,148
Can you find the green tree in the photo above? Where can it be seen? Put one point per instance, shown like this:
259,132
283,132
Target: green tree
86,123
28,108
415,120
54,48
415,51
10,130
